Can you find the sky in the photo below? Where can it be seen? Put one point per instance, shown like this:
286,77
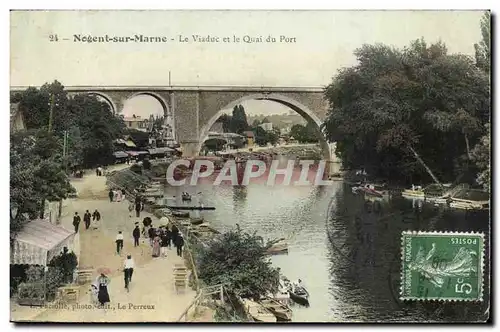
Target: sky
316,44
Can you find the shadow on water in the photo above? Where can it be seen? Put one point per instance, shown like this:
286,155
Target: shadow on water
344,248
364,250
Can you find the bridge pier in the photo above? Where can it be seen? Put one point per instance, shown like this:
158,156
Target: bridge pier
189,149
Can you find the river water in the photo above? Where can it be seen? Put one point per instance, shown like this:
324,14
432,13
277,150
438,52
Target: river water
346,250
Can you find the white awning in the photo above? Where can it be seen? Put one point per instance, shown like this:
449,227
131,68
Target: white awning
39,241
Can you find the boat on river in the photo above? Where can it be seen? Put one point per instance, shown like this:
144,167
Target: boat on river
197,221
258,312
280,247
186,196
300,295
281,311
369,190
180,214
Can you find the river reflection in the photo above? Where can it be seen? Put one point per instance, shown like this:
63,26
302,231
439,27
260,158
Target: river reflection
345,249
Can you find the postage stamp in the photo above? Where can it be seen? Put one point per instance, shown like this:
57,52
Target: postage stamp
442,266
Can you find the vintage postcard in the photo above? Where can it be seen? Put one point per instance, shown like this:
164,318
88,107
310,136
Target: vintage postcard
250,166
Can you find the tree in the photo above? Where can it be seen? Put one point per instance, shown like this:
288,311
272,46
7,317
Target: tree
238,260
92,142
399,106
483,48
482,156
256,123
214,144
139,137
99,128
261,137
36,175
226,122
304,134
239,122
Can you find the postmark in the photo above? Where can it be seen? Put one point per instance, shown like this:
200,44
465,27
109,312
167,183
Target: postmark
442,266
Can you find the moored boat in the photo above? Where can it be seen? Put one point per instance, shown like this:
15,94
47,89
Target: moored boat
277,248
369,190
299,294
280,310
257,312
180,214
197,221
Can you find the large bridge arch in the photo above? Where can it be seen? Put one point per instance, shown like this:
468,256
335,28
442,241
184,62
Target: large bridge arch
107,98
160,99
293,104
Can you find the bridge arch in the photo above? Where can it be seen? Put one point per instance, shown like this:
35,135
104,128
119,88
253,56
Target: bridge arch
163,103
296,106
107,98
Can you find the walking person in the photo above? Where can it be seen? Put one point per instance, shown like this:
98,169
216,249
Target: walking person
76,221
164,244
179,244
128,270
151,235
168,237
156,245
96,217
138,209
119,242
111,194
103,282
175,233
86,219
136,234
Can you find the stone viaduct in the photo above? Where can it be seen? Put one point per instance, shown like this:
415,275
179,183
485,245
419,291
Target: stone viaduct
195,109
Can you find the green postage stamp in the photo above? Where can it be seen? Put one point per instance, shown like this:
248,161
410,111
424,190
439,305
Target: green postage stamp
442,266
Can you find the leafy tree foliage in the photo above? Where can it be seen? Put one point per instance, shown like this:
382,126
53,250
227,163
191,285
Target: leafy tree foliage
139,137
483,48
482,156
304,134
238,260
214,144
239,122
91,125
226,122
36,175
407,114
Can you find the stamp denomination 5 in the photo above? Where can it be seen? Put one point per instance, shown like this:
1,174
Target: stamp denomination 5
442,266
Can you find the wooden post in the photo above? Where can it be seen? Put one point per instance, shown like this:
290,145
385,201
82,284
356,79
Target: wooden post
222,294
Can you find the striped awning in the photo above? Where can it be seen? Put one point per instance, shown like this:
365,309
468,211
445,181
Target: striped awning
39,241
161,150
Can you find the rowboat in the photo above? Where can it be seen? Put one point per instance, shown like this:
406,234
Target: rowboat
280,310
180,214
258,312
417,193
277,248
196,221
300,295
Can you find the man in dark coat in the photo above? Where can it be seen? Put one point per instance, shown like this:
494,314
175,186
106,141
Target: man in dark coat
76,221
136,234
179,243
111,195
168,237
175,232
96,215
137,206
164,242
86,219
151,234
